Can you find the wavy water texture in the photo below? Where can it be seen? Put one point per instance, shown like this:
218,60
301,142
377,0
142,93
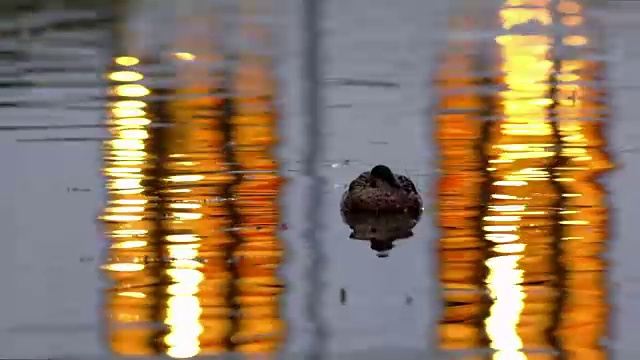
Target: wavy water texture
524,220
193,212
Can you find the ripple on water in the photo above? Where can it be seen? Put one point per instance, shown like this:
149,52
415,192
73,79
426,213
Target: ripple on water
524,221
202,192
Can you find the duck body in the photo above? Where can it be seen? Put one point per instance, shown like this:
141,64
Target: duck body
382,191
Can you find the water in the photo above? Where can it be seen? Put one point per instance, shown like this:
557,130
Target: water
183,130
525,220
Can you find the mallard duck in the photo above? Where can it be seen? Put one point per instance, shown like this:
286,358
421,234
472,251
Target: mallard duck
380,190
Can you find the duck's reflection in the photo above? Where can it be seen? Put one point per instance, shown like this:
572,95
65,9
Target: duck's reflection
381,229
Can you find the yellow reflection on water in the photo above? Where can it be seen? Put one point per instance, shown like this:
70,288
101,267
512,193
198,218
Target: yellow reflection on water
131,90
521,151
125,76
193,213
185,56
127,60
524,221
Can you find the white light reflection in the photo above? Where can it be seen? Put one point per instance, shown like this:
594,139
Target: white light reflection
525,134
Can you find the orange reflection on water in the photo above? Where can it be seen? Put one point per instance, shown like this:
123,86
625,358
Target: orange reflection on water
518,191
458,127
260,328
193,214
585,218
198,304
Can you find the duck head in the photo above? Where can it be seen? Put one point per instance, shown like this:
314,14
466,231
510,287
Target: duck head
381,176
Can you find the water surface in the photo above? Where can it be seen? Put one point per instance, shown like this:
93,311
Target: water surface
182,130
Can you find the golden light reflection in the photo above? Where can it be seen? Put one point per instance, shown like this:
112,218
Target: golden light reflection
521,151
523,219
261,329
458,127
127,60
131,90
585,217
185,56
125,76
193,212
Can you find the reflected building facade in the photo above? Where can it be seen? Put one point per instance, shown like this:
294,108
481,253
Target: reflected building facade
459,129
193,213
525,203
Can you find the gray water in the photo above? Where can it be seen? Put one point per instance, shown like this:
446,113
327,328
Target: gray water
340,300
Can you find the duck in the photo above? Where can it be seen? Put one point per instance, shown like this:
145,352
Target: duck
381,191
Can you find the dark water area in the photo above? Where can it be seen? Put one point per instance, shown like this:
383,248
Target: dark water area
178,171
